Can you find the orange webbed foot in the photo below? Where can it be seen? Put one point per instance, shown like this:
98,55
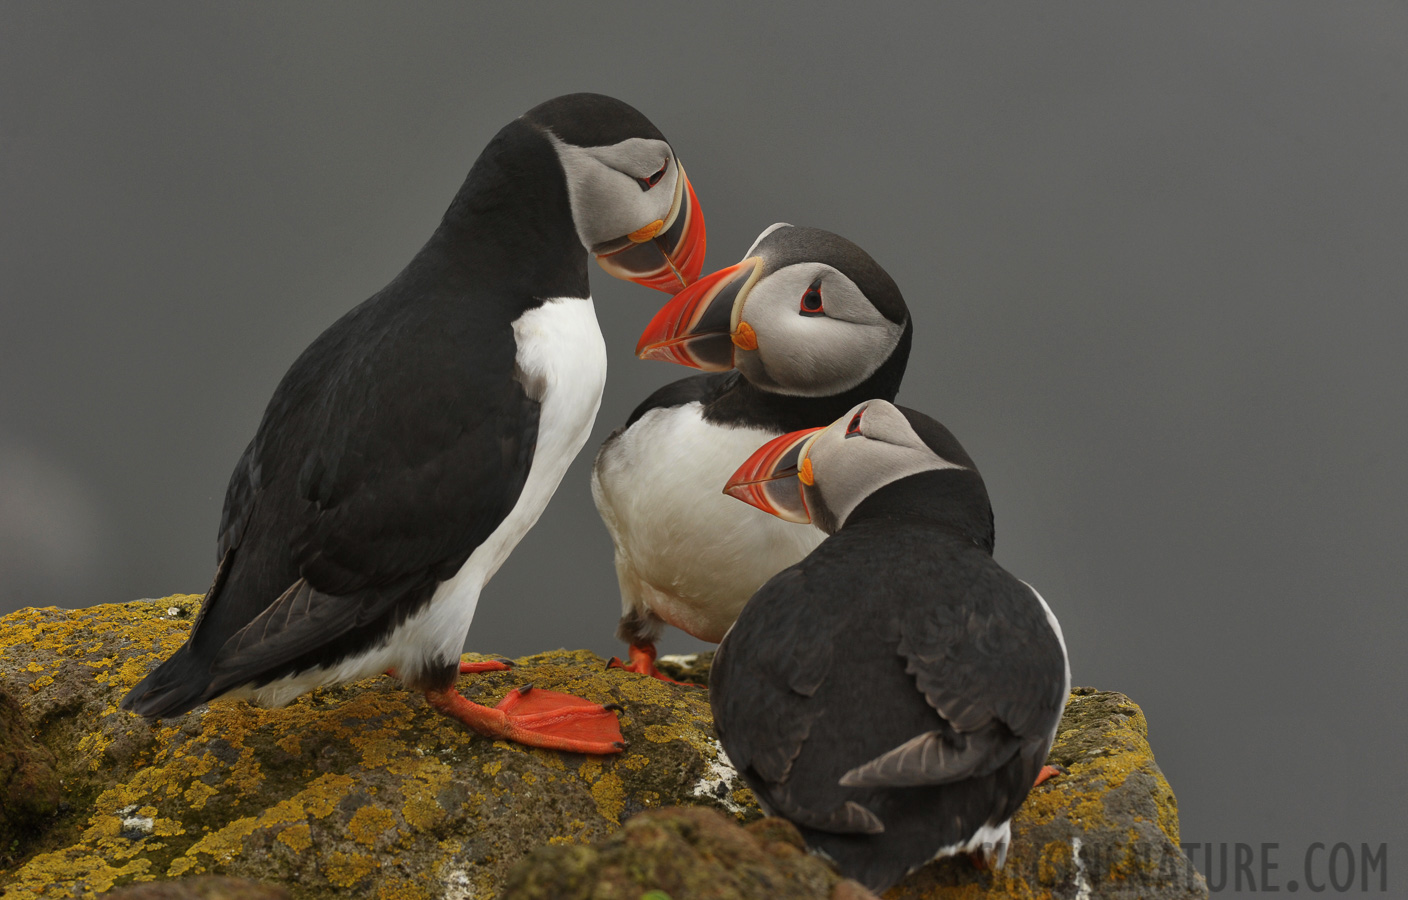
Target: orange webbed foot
538,718
643,663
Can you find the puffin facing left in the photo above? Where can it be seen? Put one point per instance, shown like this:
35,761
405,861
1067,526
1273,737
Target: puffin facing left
413,444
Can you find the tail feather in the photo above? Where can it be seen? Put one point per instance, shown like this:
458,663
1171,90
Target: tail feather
176,686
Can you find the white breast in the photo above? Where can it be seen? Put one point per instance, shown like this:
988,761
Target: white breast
562,362
684,550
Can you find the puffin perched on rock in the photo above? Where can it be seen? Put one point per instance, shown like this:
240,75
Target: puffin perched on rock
413,444
802,329
895,693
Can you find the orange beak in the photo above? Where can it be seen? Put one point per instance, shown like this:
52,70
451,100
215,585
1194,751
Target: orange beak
668,254
772,477
697,327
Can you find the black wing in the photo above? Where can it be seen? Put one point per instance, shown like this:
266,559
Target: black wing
392,448
992,668
908,659
831,690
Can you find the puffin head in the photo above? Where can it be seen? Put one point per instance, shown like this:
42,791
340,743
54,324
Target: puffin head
820,475
633,207
806,313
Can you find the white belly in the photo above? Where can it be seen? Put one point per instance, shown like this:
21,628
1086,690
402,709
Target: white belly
562,361
684,550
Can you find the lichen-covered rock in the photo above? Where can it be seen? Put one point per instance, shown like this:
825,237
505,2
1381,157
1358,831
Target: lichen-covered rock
683,854
1108,828
29,784
205,887
688,667
360,789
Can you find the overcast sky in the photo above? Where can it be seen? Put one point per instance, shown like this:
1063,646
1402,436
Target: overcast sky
1157,259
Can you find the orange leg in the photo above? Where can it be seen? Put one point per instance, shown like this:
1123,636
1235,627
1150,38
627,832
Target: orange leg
643,663
538,718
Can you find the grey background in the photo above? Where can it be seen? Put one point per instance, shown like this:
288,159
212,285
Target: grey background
1156,258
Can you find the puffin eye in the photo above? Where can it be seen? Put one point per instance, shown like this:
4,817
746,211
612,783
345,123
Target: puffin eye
853,429
648,183
811,301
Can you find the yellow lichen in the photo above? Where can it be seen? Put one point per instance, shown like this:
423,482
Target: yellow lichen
296,837
635,762
369,823
198,793
322,796
344,870
610,796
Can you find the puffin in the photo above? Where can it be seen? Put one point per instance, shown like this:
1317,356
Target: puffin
798,332
412,445
894,694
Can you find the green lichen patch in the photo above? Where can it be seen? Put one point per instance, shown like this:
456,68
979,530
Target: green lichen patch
360,788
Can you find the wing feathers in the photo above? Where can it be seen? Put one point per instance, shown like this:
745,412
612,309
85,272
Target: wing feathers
934,758
848,818
300,621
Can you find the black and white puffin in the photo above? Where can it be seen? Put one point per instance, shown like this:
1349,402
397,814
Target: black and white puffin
894,694
798,332
413,444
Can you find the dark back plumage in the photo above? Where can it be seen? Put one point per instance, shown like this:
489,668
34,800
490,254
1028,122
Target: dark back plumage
900,658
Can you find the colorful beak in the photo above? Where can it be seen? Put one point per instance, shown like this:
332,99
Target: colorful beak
668,254
772,477
701,325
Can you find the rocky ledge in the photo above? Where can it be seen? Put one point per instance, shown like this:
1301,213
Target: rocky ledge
362,790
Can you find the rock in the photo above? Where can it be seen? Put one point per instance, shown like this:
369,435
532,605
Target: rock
683,854
690,667
29,784
362,790
210,887
1108,828
359,789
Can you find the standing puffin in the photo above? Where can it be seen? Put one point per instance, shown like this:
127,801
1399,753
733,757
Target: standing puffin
802,329
894,694
413,444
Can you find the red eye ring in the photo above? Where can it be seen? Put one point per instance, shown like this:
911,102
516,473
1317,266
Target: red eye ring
811,304
853,428
648,183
